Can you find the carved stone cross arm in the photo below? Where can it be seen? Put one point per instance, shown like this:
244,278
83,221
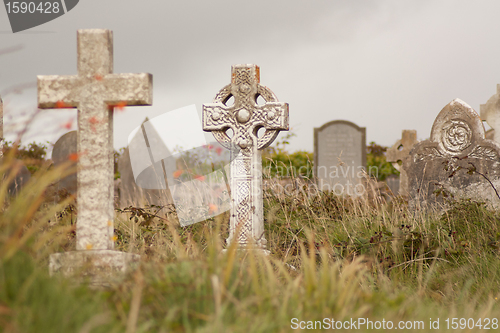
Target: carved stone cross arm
56,91
245,117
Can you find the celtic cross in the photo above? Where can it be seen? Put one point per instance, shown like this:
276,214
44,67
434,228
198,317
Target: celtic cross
243,120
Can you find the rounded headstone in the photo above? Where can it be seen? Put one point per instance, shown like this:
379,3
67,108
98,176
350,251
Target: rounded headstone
63,150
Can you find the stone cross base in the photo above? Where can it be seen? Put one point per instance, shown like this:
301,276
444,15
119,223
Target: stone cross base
97,267
251,249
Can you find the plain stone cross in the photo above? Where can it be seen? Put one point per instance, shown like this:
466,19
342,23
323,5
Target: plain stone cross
244,118
399,152
94,92
491,113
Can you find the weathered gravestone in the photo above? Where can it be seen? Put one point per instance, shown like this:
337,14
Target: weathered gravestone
400,152
150,186
393,182
65,150
453,159
94,91
244,118
490,112
22,175
340,157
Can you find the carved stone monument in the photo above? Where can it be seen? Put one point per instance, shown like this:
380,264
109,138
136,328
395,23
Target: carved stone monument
23,175
244,119
65,150
454,159
400,152
154,178
340,157
490,112
94,91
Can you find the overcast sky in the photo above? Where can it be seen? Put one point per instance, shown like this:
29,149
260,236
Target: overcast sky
384,65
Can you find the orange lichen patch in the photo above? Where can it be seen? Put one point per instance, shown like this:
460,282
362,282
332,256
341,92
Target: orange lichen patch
212,208
110,223
61,105
120,106
178,173
73,157
94,120
68,124
88,246
98,77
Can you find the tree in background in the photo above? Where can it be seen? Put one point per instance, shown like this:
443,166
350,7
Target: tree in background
375,157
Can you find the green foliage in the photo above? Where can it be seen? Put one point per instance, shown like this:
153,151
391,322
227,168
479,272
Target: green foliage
33,154
331,257
278,162
376,164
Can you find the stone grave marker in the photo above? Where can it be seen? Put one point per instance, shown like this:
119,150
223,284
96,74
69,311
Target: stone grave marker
94,91
236,127
393,182
155,190
400,152
23,175
64,150
457,145
340,157
490,112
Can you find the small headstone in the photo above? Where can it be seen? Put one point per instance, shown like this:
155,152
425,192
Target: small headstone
244,118
490,112
340,157
399,152
94,91
20,179
65,150
22,173
393,182
453,159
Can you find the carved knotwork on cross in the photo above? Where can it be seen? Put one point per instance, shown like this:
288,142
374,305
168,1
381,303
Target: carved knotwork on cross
244,118
399,152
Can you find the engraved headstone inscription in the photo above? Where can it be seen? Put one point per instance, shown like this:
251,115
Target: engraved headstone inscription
94,91
236,127
455,159
340,157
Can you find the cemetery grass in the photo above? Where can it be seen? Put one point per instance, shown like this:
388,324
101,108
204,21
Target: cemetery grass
330,258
